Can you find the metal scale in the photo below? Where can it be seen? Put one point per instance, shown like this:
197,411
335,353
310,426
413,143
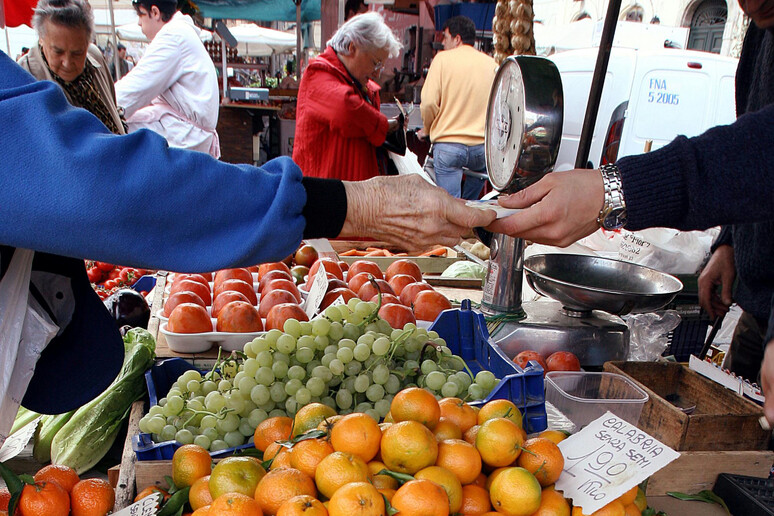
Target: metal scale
523,132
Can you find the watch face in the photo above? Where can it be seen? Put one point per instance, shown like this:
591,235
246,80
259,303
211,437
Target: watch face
616,219
504,124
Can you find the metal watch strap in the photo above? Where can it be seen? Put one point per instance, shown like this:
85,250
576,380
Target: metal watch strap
611,179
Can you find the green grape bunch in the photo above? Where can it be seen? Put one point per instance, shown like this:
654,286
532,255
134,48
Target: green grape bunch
347,358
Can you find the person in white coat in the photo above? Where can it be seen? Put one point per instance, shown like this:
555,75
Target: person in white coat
173,89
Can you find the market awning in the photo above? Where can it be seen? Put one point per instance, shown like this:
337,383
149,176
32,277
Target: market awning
259,10
254,40
19,12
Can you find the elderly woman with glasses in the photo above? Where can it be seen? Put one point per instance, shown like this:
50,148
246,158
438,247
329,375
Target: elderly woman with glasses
338,123
64,54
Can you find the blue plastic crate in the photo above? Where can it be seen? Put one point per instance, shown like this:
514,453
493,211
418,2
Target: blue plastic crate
465,333
145,283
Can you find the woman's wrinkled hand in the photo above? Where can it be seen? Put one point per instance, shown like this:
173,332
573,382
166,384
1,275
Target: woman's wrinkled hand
558,210
408,212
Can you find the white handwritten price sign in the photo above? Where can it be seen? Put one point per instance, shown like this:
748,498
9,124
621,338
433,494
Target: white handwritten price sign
148,506
606,459
16,442
316,292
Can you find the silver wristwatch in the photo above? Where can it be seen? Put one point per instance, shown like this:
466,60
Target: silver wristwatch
613,212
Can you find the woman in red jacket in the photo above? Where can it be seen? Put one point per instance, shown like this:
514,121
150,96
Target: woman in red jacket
338,122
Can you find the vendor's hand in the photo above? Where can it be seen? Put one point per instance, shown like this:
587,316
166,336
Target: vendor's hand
767,382
558,210
720,270
421,134
408,212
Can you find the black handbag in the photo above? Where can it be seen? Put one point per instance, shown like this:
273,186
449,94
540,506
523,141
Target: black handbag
396,141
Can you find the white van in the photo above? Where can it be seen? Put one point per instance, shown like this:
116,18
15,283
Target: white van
648,95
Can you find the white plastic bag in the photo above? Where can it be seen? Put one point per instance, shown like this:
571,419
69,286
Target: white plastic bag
409,164
648,334
25,331
668,250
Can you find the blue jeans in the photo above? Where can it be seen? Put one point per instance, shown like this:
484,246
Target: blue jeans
449,159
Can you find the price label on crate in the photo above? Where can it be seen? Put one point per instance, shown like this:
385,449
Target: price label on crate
15,443
148,506
316,292
606,459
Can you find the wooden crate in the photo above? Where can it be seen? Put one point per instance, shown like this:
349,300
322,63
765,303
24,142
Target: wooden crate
694,471
722,419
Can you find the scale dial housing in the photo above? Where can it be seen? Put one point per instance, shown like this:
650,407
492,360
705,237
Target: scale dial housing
504,124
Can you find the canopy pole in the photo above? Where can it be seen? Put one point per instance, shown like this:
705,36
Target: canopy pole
7,43
597,83
224,66
298,38
115,40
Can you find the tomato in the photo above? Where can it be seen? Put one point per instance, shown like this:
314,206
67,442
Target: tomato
193,277
399,281
335,283
128,275
429,304
397,315
275,297
344,266
525,356
330,266
238,286
358,280
410,291
104,266
365,266
225,298
272,275
281,313
177,298
195,287
563,361
274,266
114,273
306,255
369,290
95,275
189,318
403,266
298,272
239,317
111,284
282,284
226,274
333,295
386,299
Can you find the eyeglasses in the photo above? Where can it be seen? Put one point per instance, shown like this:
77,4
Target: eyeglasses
378,65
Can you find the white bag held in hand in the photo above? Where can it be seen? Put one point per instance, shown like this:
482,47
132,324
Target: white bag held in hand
24,332
409,164
668,250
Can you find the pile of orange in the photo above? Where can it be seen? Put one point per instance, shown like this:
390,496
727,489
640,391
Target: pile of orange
58,491
481,463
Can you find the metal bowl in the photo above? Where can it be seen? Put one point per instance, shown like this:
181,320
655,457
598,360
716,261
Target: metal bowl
583,283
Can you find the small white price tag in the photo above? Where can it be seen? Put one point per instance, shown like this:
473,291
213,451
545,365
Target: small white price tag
606,459
323,247
316,292
148,506
16,442
491,280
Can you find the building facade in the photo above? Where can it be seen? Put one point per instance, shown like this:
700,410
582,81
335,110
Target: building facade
714,25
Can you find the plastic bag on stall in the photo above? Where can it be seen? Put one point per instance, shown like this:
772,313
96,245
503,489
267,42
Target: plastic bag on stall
667,250
648,334
25,331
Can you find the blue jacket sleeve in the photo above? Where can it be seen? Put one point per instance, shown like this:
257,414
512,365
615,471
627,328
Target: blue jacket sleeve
723,176
69,187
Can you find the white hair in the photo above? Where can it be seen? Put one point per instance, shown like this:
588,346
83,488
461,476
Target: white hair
74,14
368,32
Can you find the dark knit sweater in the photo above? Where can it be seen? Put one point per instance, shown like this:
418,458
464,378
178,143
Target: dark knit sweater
724,176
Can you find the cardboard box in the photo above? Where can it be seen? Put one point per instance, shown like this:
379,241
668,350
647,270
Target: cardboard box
721,420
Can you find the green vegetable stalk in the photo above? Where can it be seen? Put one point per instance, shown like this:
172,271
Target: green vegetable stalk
464,269
93,428
23,418
44,435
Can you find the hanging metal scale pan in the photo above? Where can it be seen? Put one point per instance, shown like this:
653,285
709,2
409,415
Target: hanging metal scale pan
523,122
